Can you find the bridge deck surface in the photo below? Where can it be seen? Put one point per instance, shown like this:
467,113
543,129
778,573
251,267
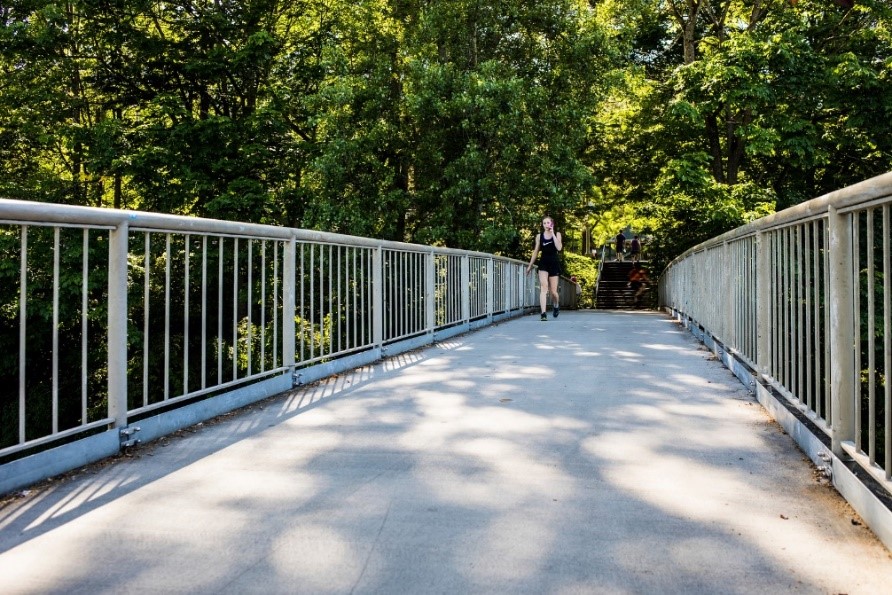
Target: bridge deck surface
602,452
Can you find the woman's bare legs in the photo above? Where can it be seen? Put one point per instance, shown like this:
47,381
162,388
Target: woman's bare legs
544,282
553,287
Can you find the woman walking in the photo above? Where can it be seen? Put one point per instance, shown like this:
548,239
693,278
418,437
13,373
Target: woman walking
549,244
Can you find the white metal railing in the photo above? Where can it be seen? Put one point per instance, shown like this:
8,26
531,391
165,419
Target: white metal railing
803,296
111,315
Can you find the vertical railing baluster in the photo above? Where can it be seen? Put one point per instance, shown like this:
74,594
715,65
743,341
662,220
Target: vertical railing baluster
186,286
775,303
235,254
800,296
341,306
827,413
390,273
367,298
754,314
146,301
417,292
808,347
312,296
421,280
856,298
771,275
430,290
402,293
263,306
887,346
303,313
276,248
411,299
791,311
55,356
220,273
490,288
204,311
249,306
167,258
357,283
736,281
465,288
871,345
322,296
23,329
818,344
85,304
354,285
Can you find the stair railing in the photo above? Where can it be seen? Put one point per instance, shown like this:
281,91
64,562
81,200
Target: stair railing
600,268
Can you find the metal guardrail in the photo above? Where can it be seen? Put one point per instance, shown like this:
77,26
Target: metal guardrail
804,297
111,316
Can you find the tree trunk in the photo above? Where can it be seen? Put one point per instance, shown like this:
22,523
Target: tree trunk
736,145
715,148
686,16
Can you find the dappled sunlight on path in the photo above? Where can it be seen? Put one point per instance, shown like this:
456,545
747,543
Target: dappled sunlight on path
601,452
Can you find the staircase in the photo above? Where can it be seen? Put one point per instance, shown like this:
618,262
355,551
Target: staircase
613,290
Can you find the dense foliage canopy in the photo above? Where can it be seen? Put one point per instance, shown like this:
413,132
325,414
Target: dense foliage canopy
455,122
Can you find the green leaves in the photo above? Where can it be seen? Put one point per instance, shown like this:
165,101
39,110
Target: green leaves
773,105
455,123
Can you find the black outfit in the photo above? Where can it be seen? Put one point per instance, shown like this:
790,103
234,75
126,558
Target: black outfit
548,259
620,243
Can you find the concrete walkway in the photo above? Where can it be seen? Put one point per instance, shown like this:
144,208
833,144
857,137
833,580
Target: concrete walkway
602,452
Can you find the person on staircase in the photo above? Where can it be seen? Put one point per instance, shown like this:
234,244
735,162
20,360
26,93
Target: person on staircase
620,244
549,244
635,249
638,281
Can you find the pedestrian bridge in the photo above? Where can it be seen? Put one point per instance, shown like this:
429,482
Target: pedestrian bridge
387,448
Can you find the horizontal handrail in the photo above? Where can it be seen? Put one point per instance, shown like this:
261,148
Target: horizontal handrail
16,212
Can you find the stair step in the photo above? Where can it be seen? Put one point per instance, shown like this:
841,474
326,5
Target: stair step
614,292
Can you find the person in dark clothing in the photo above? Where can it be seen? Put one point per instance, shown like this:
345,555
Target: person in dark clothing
549,244
620,241
635,249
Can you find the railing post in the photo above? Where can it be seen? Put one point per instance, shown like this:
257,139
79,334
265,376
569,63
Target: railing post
430,290
117,324
508,284
289,293
517,287
763,302
842,330
378,297
728,330
465,288
490,288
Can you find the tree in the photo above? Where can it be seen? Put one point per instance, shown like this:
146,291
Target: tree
756,111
